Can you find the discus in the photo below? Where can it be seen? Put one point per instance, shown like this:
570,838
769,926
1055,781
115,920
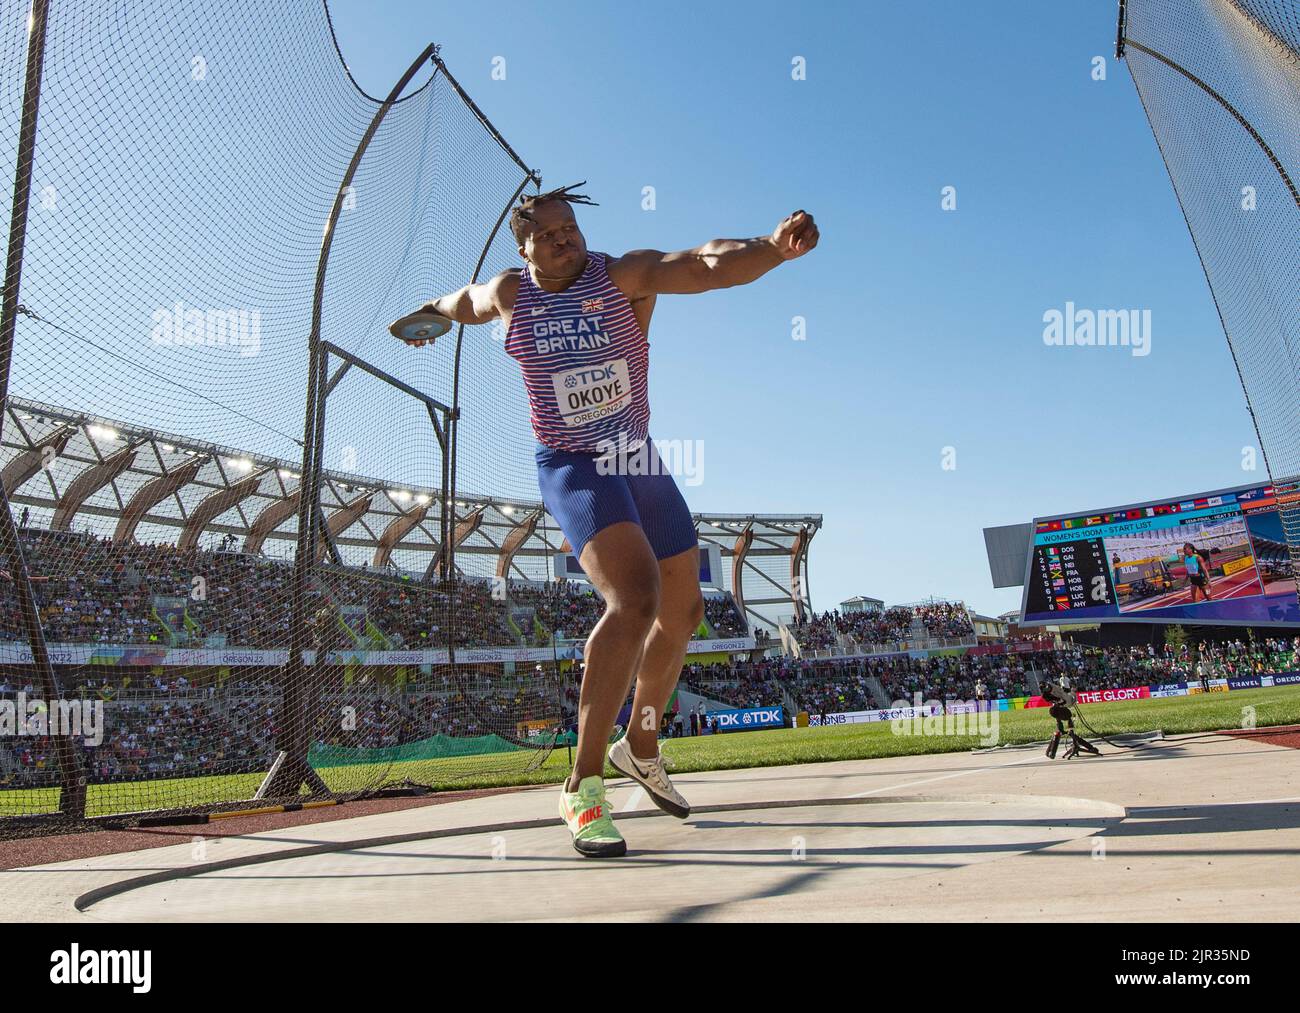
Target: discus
417,328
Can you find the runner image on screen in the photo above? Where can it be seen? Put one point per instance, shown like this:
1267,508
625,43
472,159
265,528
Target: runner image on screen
1198,570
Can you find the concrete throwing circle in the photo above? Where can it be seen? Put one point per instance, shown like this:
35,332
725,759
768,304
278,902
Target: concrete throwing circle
528,870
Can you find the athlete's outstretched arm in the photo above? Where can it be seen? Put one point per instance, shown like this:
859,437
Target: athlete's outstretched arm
720,263
473,304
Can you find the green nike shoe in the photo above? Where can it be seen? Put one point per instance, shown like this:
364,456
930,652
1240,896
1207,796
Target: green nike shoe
587,814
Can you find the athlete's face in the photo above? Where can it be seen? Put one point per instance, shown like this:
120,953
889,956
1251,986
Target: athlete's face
555,245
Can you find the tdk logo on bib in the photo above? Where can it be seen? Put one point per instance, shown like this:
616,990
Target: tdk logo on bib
591,393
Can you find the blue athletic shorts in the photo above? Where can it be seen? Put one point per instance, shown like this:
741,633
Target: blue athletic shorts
585,496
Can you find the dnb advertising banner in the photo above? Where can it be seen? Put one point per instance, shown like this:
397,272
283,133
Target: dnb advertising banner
889,714
1217,557
750,719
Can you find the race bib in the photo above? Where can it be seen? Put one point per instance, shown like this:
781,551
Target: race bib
591,393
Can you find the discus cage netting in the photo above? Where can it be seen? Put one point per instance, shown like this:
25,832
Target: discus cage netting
280,555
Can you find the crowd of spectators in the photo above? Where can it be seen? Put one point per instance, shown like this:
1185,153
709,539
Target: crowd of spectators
95,590
720,613
166,724
158,727
564,608
884,627
822,686
1119,667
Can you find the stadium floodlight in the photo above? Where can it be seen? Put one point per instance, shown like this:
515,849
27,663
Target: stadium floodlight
103,433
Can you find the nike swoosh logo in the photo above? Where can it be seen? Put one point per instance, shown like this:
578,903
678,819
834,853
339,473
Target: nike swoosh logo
538,310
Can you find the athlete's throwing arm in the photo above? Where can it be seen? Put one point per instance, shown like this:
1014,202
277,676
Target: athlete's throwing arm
720,263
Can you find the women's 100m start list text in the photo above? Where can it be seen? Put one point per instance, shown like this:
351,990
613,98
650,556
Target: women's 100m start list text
1070,575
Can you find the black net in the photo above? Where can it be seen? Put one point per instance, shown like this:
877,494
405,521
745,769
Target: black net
187,162
1220,82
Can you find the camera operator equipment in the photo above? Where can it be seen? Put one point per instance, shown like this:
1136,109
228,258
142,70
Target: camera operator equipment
1062,700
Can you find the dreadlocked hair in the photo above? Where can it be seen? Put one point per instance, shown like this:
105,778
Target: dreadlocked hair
522,213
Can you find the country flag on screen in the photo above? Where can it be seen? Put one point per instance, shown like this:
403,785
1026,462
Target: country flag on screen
1189,505
1133,515
1058,583
1214,501
1063,601
1151,512
1094,520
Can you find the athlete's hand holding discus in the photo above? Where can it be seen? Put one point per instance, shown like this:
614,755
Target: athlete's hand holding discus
422,327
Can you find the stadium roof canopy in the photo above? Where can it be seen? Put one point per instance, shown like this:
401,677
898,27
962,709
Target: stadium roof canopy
73,471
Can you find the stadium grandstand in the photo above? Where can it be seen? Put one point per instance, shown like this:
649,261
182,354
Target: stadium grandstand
926,625
90,485
162,569
1008,670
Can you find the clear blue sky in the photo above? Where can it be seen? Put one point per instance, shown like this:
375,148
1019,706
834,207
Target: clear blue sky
924,327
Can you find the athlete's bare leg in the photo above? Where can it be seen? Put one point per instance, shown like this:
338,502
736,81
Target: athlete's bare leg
620,563
681,609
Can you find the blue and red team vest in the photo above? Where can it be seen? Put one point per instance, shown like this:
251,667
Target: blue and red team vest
585,360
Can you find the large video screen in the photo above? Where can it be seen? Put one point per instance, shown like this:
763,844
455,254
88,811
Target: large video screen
1215,558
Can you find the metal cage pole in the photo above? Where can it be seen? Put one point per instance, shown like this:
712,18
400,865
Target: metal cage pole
72,778
293,743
